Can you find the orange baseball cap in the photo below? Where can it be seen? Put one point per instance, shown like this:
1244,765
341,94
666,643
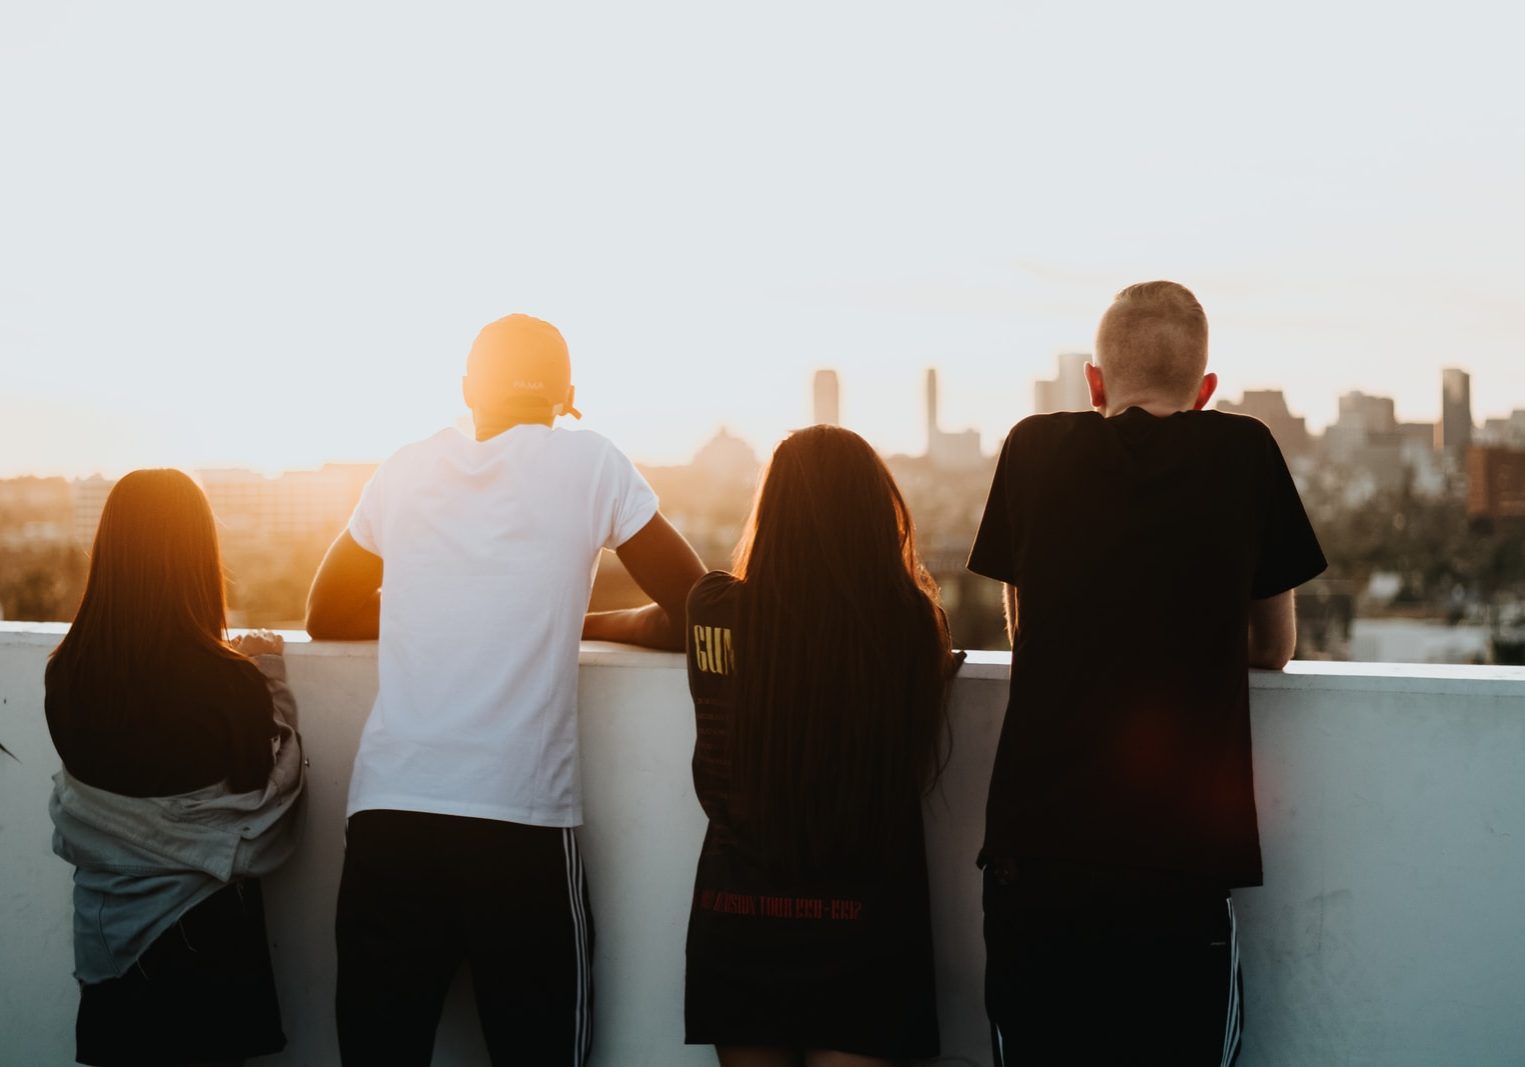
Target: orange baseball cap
523,360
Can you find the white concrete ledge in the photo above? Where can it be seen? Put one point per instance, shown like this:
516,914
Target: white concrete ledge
1389,931
1299,674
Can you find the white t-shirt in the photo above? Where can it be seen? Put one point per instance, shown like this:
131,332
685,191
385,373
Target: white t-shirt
488,549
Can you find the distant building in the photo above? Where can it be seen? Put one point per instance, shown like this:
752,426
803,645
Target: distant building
1067,391
1370,414
32,496
1379,454
1508,432
1416,448
1496,483
88,496
949,450
1453,434
1364,422
826,394
35,511
303,503
1270,407
727,459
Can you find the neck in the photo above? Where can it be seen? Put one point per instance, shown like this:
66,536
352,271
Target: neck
492,425
1155,405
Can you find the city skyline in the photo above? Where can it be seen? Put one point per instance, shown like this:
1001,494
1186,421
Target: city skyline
268,242
1462,486
1062,392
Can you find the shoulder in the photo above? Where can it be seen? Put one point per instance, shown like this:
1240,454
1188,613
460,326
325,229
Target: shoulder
588,458
1057,423
1050,427
245,673
416,455
1234,430
715,592
586,443
440,441
241,680
1232,422
447,440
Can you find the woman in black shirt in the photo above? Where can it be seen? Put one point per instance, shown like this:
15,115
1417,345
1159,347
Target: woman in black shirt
145,697
818,672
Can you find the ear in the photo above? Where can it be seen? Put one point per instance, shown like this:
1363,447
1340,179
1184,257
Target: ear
1097,387
1205,393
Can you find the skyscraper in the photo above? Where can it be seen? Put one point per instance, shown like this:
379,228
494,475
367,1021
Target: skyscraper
949,450
1068,390
826,392
1453,433
932,429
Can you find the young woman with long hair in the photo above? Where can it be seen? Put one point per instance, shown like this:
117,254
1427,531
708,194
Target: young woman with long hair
818,672
180,771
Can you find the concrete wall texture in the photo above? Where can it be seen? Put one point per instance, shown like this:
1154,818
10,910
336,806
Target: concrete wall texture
1390,930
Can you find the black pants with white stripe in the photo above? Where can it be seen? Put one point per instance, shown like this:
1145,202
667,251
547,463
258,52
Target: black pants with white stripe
1088,965
420,895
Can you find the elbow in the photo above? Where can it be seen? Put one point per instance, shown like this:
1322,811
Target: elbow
320,627
318,624
1269,661
666,632
1272,657
676,639
339,616
325,624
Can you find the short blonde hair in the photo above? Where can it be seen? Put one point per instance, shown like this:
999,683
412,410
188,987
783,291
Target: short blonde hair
1154,336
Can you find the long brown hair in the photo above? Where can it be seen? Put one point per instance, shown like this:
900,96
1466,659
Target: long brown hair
842,651
154,592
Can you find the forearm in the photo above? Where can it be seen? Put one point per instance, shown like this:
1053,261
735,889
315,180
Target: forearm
1270,654
649,626
357,621
1272,631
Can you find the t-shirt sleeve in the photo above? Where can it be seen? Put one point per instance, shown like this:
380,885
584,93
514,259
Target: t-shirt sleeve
634,501
365,522
998,544
711,602
1288,552
710,652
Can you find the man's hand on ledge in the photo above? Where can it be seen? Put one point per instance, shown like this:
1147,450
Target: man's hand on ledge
649,627
666,567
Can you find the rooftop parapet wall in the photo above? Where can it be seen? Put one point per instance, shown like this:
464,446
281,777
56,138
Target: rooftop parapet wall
1389,931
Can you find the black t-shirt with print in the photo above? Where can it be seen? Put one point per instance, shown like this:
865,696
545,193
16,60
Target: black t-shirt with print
712,666
837,958
1136,544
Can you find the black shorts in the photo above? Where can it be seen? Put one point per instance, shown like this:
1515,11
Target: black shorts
1093,965
202,992
422,894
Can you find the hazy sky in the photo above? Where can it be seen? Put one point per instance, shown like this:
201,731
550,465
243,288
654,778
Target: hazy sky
265,234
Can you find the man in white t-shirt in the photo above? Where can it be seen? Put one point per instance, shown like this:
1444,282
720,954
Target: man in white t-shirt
466,790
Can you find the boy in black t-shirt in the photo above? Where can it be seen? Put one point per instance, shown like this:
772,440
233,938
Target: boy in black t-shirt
1149,550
